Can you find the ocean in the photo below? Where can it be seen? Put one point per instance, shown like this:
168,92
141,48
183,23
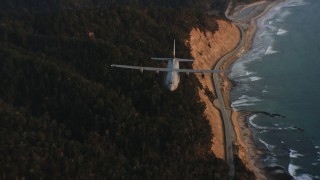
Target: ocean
278,80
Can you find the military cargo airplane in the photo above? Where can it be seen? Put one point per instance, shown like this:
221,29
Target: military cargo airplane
172,71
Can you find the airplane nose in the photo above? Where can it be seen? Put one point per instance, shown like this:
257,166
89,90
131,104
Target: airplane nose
170,86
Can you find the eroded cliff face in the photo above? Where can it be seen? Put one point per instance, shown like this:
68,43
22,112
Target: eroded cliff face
207,48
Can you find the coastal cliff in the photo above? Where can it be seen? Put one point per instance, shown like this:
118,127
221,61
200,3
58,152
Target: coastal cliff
207,48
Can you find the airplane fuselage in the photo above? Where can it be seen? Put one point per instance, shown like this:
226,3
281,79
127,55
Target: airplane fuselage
172,78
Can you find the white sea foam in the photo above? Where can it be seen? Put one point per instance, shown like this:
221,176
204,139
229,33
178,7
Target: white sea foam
304,177
268,146
264,91
266,128
245,79
253,117
263,131
292,169
271,161
293,3
281,32
252,99
282,16
270,51
295,154
238,70
257,126
254,78
241,104
245,100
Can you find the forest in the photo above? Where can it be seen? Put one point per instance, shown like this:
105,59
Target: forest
66,114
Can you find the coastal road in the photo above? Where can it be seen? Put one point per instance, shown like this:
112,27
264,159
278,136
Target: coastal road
229,133
242,22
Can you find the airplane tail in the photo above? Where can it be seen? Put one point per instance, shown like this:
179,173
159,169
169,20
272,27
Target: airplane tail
174,56
174,48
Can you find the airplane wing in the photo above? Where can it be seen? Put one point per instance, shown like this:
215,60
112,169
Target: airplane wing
162,59
141,68
200,71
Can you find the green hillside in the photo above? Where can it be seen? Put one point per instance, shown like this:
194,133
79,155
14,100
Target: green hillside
65,114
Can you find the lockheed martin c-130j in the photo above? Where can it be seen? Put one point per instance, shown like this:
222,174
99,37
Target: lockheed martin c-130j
172,71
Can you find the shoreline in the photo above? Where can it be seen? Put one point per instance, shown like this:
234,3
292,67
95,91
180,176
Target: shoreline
219,50
246,148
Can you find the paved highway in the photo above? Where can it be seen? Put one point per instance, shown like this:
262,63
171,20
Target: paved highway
229,133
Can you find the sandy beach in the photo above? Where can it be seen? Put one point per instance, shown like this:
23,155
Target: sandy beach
208,49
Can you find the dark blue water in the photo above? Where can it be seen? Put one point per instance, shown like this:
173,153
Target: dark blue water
281,75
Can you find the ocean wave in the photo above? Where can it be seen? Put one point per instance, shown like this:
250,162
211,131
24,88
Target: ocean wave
251,99
281,11
282,16
263,42
245,100
242,105
304,177
269,29
256,126
267,128
292,169
268,146
270,160
245,79
264,131
294,154
281,31
293,3
252,117
238,70
254,78
270,51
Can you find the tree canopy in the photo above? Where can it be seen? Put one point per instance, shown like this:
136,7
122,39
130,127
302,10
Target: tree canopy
64,113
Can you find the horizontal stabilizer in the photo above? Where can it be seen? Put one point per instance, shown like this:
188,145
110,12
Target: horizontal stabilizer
161,59
184,60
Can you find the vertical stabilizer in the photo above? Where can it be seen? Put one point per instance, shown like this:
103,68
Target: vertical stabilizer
174,48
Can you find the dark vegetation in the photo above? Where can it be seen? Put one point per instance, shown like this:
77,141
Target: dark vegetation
65,114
